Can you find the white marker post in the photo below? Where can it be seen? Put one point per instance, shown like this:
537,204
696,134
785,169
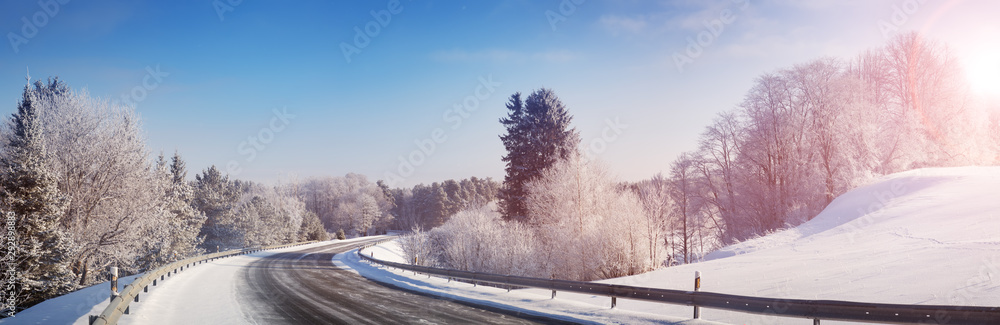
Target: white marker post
697,286
113,277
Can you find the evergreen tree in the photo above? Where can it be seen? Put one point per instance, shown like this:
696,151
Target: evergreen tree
178,171
216,196
186,221
30,193
538,135
312,228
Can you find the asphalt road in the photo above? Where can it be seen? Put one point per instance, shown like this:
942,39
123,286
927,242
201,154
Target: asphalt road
304,287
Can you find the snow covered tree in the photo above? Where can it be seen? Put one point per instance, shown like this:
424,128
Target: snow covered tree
588,226
30,193
185,221
654,194
538,135
216,196
114,209
312,228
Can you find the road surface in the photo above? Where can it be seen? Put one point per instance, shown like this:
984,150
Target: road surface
304,287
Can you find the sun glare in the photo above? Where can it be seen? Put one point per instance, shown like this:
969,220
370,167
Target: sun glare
983,71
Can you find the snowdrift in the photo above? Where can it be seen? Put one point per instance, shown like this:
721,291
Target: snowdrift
927,236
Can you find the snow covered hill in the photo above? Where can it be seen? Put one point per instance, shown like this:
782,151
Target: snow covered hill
927,236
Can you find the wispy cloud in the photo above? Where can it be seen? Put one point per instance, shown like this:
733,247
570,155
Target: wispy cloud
616,24
504,56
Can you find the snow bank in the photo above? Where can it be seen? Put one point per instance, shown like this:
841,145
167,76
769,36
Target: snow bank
71,308
517,301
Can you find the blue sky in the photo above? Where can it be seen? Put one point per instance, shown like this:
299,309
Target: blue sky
204,83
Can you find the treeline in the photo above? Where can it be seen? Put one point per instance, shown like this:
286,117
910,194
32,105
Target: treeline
429,206
802,136
350,205
84,195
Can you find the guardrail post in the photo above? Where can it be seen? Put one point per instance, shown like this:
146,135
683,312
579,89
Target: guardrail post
697,286
614,302
113,277
815,321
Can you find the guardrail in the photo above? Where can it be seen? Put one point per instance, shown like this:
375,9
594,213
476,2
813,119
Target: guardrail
120,304
798,308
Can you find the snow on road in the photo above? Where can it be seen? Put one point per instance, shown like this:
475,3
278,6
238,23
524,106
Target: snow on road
928,236
204,294
190,295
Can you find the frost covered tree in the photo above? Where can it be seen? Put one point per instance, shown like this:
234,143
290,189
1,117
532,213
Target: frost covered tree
97,152
312,228
588,226
538,135
29,191
216,196
654,194
340,202
185,221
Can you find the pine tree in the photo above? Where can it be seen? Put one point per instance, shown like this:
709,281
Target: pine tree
31,194
312,228
538,135
216,196
186,221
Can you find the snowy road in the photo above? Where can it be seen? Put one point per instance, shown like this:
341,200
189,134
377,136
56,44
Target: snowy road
296,286
305,287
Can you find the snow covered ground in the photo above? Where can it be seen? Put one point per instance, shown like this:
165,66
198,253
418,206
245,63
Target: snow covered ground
70,308
523,301
928,236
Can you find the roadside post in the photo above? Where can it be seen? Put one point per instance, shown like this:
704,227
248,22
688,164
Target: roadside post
697,286
113,277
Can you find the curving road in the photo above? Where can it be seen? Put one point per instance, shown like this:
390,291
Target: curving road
304,287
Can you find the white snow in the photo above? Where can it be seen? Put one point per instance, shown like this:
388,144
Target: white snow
523,301
71,308
928,236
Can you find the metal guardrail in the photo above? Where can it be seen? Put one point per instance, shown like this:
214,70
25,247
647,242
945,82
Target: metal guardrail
120,304
810,309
